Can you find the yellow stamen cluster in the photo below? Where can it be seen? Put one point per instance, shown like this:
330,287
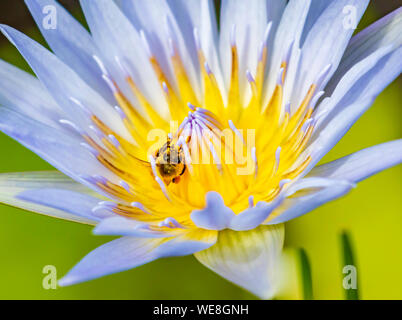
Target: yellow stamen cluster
275,154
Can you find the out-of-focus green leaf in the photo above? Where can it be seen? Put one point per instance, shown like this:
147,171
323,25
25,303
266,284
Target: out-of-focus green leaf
349,268
306,278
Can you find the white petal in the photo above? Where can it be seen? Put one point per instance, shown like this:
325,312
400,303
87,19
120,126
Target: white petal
71,43
253,217
382,33
13,185
362,164
326,42
120,226
250,259
363,52
209,41
116,36
215,216
128,252
308,194
61,150
348,87
63,83
34,101
250,20
288,35
353,104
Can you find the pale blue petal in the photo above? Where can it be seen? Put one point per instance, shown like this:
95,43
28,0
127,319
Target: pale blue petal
253,217
153,17
274,12
61,150
200,15
250,259
286,41
308,194
326,42
215,215
63,84
357,99
120,226
362,164
71,42
116,37
76,203
316,9
34,101
346,87
382,33
28,191
382,36
129,252
250,19
335,130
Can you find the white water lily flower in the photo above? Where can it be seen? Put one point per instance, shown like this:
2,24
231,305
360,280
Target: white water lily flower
284,80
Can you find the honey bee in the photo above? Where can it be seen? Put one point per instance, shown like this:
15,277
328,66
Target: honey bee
170,162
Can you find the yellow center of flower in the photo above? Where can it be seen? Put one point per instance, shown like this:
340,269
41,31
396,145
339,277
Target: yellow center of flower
245,152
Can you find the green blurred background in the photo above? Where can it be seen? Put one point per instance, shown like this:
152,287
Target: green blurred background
371,213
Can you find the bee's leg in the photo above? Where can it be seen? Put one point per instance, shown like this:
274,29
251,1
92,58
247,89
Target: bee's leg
184,170
176,180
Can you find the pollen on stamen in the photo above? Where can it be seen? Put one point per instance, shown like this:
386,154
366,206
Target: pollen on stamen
125,185
236,131
215,156
288,53
283,182
110,83
316,97
323,74
187,157
100,179
307,125
165,87
114,141
100,64
277,157
120,112
83,108
97,132
140,206
123,66
72,126
207,68
191,106
288,109
233,36
281,78
92,150
102,211
108,204
157,178
197,39
250,77
255,160
251,202
145,43
170,223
